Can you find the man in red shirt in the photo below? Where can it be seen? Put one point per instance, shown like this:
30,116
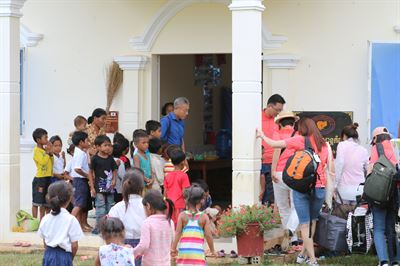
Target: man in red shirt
275,105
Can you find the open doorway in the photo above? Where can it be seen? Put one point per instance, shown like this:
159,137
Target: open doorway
205,80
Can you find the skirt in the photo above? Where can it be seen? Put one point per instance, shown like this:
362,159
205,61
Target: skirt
57,256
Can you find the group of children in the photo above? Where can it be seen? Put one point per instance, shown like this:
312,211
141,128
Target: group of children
137,207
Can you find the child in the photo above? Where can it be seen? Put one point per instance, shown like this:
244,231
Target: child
117,153
43,158
59,159
169,166
79,174
157,163
141,156
157,230
114,252
153,129
59,229
125,150
80,124
104,170
193,226
176,182
131,210
213,212
68,166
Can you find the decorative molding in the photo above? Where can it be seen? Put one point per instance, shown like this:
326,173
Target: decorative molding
239,5
281,61
28,38
270,41
26,145
396,28
145,42
131,62
11,8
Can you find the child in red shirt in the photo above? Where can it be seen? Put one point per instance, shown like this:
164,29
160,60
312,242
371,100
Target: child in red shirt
176,182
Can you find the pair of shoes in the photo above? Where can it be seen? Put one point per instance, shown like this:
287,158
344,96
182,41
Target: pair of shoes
233,254
221,254
301,259
275,251
95,231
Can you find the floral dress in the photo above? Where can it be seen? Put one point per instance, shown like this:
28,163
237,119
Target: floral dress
113,254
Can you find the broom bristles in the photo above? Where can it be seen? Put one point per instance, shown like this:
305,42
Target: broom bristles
114,82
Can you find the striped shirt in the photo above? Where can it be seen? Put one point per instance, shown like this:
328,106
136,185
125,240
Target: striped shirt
191,250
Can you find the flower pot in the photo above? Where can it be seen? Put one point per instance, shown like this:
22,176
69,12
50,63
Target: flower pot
250,243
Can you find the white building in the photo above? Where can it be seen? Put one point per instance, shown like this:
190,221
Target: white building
314,52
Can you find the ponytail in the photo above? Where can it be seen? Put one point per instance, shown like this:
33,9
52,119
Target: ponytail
55,205
170,206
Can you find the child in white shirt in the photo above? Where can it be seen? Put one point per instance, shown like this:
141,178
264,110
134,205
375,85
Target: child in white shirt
59,159
61,242
131,210
157,163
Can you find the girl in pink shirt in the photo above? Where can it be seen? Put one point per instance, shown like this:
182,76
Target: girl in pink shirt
307,206
157,230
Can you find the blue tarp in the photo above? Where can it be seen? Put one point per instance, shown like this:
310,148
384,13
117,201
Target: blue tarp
385,86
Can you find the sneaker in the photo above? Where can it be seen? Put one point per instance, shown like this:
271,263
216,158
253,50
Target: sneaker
394,263
315,263
301,259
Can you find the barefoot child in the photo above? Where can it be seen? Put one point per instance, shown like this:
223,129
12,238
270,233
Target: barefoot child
43,158
193,226
131,211
157,230
59,229
79,174
114,252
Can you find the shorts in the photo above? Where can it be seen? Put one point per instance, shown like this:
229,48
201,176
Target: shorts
308,206
81,193
40,185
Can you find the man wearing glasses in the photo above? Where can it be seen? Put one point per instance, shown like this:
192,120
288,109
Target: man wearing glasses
269,127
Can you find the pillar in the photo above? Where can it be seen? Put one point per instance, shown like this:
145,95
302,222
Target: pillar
246,99
9,112
132,102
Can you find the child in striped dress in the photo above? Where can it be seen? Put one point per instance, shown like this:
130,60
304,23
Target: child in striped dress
193,226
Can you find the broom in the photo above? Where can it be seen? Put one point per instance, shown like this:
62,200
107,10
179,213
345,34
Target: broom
114,81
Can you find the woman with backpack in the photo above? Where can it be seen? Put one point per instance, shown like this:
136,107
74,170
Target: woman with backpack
308,204
350,167
384,217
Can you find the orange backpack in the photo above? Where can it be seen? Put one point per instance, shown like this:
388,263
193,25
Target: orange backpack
300,172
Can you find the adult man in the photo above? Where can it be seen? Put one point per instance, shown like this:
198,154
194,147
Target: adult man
173,124
269,127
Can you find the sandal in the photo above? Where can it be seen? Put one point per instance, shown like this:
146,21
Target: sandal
233,254
221,254
25,244
17,244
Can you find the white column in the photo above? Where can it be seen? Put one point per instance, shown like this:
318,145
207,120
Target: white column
9,112
132,105
277,76
246,76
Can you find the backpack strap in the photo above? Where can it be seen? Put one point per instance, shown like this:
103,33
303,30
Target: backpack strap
380,149
307,144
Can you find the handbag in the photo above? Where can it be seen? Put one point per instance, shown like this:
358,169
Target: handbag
330,232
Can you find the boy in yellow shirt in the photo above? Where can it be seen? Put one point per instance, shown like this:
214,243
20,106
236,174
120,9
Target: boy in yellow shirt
43,158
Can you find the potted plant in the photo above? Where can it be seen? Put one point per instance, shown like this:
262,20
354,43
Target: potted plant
248,224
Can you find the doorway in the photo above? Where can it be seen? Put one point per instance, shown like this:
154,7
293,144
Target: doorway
205,80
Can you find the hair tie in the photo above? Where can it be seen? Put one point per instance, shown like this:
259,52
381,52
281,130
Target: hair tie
164,198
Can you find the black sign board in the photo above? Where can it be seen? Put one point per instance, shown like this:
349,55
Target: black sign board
330,124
